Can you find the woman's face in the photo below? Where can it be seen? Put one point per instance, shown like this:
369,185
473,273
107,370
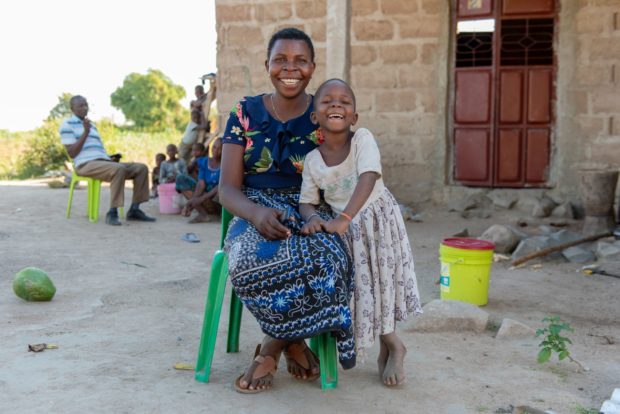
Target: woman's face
290,67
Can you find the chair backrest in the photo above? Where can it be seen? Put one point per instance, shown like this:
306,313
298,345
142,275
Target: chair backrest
226,217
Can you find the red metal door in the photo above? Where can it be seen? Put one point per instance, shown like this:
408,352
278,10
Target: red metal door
503,93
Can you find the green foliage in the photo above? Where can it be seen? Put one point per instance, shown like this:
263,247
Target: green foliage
553,341
151,101
579,409
43,152
62,109
27,154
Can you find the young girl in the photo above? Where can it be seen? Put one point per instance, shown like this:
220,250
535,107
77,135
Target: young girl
347,168
172,167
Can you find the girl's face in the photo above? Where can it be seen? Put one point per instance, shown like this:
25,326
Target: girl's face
335,108
290,67
217,149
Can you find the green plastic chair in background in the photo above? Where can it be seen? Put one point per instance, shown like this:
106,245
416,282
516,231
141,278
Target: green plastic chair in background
324,344
94,192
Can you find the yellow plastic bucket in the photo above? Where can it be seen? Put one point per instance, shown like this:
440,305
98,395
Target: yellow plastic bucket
465,269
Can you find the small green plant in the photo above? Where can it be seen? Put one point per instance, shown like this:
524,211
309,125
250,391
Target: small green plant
579,409
554,342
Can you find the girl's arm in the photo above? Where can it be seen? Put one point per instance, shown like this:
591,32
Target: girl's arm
266,220
362,191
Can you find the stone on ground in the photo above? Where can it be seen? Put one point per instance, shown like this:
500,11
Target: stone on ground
450,315
608,252
503,200
546,230
514,329
564,236
531,245
469,203
578,254
543,207
564,210
504,238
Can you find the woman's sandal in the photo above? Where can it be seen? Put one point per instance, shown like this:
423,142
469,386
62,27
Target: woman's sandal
264,368
299,355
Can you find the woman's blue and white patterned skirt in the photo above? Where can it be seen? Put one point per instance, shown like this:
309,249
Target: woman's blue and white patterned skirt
297,287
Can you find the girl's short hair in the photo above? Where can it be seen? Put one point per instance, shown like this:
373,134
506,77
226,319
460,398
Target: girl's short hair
322,86
290,33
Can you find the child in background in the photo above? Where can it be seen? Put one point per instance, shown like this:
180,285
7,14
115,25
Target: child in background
186,184
205,199
159,158
172,167
198,151
194,132
347,167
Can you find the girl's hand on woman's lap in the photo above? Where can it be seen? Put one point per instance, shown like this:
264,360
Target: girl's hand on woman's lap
315,225
338,225
267,222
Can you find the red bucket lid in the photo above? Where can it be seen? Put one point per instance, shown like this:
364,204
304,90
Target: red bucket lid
468,243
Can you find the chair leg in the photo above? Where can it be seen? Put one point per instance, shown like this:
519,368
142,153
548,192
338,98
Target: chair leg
234,323
329,360
213,308
71,188
93,200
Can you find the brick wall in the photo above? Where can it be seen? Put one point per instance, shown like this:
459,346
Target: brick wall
400,72
588,125
396,72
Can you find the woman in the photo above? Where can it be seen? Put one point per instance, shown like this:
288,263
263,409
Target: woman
296,286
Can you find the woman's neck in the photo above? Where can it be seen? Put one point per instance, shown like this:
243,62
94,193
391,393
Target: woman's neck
214,162
285,109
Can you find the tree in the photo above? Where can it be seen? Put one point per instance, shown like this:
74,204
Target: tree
62,108
151,101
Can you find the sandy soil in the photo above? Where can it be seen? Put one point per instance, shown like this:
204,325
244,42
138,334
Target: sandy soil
130,301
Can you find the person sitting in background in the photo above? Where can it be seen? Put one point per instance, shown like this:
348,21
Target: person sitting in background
193,133
172,167
198,151
186,183
205,198
159,158
84,145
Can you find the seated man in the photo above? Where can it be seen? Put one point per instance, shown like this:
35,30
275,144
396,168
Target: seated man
83,143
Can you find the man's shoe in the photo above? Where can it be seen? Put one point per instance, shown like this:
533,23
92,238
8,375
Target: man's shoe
138,215
112,219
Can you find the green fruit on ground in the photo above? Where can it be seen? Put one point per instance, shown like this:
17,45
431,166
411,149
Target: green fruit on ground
34,285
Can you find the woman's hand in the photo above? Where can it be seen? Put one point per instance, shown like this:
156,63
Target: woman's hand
338,225
267,222
315,225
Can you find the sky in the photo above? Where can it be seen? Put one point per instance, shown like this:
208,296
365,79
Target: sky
48,47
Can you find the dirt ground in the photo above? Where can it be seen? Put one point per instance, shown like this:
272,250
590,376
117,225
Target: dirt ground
130,301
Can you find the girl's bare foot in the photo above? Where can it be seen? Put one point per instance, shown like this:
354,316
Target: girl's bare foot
382,358
394,371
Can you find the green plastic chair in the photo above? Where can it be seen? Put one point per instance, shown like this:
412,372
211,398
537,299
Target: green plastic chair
324,344
94,193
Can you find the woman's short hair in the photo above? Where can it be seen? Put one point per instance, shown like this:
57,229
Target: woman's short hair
290,33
